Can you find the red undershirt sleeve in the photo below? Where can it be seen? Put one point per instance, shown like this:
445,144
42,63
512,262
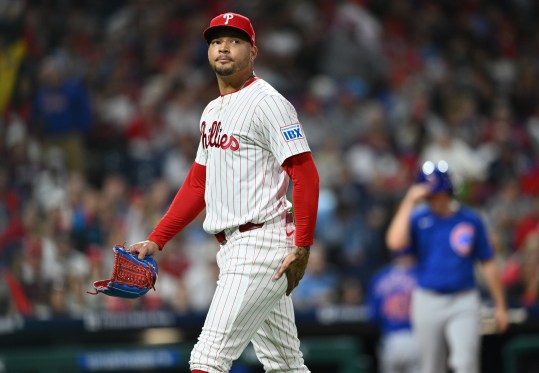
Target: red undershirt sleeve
187,204
306,185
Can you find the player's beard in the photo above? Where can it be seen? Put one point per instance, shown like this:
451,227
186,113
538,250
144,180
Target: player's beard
231,69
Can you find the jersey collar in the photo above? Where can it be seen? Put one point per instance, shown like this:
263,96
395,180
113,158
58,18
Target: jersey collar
247,83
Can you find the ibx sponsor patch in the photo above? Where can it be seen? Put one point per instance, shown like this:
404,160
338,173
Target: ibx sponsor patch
292,132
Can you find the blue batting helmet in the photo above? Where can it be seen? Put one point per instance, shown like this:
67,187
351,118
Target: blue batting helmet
437,176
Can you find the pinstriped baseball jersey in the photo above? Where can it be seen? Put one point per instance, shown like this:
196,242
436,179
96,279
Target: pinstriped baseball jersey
245,137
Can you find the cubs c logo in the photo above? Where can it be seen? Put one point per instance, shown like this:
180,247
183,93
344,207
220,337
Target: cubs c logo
461,238
228,17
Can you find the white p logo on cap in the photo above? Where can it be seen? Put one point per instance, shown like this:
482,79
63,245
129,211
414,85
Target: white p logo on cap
228,16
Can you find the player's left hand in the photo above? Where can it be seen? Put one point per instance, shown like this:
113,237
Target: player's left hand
294,265
501,318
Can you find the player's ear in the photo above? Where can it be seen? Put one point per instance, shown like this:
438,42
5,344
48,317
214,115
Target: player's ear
254,52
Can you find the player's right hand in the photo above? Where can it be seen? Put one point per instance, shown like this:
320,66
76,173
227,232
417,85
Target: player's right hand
502,319
143,248
417,192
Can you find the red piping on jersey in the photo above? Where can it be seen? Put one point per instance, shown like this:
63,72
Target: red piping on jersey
187,204
247,83
306,186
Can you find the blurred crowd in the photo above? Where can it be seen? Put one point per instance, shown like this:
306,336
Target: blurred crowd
99,110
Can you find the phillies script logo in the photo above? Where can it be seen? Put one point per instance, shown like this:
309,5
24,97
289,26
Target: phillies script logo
213,138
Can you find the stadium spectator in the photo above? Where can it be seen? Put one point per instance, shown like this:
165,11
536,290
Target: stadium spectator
62,113
319,284
106,80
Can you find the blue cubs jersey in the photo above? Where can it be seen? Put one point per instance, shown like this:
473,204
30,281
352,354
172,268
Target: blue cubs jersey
389,297
447,248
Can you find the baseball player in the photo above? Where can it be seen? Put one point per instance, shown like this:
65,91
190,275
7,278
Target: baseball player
389,299
251,146
447,238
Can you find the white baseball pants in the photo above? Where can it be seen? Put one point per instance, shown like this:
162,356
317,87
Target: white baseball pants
249,306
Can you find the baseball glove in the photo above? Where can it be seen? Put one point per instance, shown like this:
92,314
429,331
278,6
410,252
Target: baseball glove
131,277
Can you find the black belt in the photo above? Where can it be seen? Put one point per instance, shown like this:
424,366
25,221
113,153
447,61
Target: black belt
221,237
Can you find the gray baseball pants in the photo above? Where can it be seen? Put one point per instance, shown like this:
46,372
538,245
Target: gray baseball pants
448,330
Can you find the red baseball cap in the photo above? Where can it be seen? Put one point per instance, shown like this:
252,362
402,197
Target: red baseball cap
232,20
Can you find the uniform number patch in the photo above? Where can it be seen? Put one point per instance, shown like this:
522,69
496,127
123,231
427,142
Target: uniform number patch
292,132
